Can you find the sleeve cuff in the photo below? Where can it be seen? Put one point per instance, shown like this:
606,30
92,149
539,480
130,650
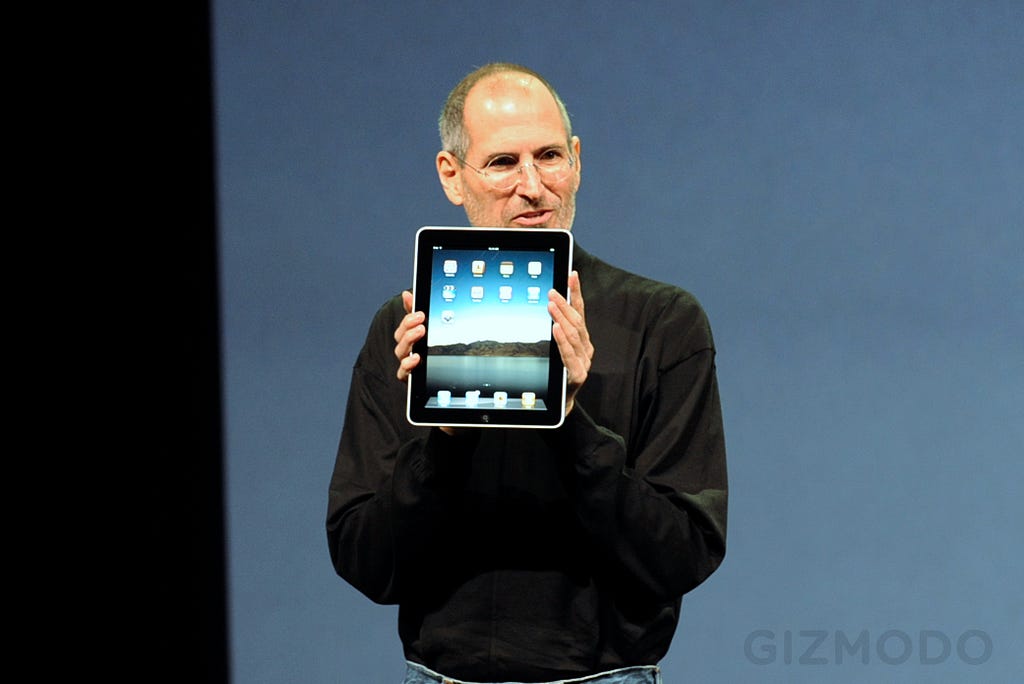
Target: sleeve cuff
446,458
587,443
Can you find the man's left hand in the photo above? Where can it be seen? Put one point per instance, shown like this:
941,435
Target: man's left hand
570,331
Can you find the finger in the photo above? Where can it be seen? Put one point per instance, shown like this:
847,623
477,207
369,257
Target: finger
570,317
407,301
406,337
558,305
572,343
408,323
406,366
408,332
575,292
565,348
570,332
576,364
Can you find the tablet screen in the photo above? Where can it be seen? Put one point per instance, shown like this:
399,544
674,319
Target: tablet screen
488,358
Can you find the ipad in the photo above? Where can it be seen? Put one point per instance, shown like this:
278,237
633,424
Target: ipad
488,358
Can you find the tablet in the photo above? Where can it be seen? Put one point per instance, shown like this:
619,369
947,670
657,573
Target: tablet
488,358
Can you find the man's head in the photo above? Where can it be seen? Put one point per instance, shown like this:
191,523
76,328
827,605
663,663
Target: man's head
509,156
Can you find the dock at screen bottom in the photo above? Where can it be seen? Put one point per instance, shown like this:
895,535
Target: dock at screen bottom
474,400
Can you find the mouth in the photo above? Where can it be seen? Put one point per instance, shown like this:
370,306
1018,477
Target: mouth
533,218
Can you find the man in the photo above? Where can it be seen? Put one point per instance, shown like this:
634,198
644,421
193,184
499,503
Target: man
520,555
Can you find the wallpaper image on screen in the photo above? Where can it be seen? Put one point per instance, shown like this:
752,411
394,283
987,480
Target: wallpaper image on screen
489,331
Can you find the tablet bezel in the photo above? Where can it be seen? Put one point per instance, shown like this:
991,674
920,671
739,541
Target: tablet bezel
557,242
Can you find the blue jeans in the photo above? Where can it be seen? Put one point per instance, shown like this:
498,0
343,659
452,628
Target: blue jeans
645,674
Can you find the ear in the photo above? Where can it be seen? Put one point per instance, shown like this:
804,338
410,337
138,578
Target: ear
575,143
449,172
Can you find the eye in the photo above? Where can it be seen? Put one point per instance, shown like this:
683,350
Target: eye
552,158
502,163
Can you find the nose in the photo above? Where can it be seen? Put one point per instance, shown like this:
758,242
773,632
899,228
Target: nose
529,184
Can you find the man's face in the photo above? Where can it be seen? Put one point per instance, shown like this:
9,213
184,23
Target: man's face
512,119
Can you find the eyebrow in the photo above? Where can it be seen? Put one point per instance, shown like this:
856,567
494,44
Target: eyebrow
536,151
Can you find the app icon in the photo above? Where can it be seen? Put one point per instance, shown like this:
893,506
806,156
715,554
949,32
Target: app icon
478,268
472,397
447,316
533,294
500,399
505,293
529,399
533,268
448,292
451,267
476,293
444,397
506,268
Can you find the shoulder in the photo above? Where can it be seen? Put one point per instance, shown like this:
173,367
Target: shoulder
617,296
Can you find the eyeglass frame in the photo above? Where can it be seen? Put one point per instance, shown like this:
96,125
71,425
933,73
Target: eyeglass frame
518,170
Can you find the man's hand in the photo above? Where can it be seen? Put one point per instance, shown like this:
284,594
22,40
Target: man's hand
408,332
570,331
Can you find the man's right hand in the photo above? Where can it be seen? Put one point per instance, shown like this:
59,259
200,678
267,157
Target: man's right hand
408,332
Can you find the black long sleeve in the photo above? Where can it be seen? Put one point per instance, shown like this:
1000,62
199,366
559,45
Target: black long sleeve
541,554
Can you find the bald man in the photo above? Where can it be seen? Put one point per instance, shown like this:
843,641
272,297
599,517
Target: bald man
519,555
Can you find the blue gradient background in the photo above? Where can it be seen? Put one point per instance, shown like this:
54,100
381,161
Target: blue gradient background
839,183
